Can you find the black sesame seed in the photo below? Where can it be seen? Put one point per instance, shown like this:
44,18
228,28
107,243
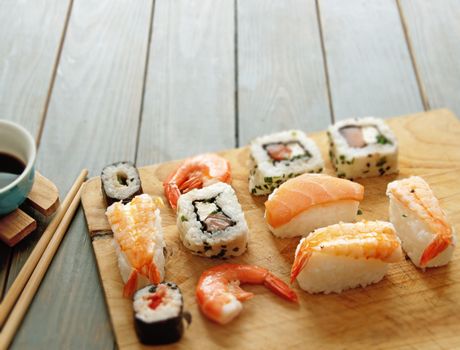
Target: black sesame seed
236,249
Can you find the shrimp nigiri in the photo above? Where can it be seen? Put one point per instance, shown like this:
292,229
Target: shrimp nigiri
138,241
196,172
310,201
219,295
345,255
420,222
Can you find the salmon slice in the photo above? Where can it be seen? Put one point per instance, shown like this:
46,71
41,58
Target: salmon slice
303,192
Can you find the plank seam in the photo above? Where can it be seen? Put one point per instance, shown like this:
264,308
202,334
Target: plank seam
4,283
53,74
421,86
326,67
144,82
236,97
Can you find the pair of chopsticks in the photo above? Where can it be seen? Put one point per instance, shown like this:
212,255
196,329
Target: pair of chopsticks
29,278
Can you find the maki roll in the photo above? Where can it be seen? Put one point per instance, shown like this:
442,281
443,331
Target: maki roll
362,147
310,201
278,157
345,255
158,314
138,240
211,222
426,235
120,182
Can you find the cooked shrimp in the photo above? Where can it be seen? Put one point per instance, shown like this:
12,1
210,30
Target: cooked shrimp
137,233
196,172
363,240
416,196
219,294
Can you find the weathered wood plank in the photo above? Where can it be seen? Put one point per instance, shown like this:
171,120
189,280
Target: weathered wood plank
30,35
433,29
189,104
281,77
369,66
92,120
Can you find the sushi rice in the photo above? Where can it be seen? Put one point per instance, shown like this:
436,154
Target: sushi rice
301,156
362,147
211,222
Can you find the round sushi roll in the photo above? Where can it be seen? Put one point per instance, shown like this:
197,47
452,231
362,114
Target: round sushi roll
158,314
120,182
211,222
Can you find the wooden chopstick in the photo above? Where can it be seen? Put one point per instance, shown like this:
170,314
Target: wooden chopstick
32,261
20,309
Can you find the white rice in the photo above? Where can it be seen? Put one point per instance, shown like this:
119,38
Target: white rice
170,306
374,159
414,232
266,174
113,187
229,242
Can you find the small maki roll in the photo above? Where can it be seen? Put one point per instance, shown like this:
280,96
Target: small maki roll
278,157
120,182
158,314
362,147
427,236
211,222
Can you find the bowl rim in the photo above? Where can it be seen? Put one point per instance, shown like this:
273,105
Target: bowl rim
30,161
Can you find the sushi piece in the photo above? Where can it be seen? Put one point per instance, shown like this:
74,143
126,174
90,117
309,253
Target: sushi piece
427,237
120,182
196,172
278,157
159,315
310,201
220,296
345,255
138,241
211,222
362,147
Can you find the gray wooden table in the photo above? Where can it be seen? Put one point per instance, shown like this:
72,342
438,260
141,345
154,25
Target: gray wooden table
98,81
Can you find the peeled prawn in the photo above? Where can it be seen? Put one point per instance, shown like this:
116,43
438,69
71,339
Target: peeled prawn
219,295
196,172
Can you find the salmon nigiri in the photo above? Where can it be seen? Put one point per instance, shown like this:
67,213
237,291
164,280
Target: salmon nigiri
310,201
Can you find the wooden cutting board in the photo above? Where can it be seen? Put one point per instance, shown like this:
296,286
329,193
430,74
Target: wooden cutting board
407,309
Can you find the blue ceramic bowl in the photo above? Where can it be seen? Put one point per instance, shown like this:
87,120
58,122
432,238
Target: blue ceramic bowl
17,141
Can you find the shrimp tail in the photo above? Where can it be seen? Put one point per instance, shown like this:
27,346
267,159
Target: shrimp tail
195,180
280,288
436,247
172,193
154,274
130,285
301,259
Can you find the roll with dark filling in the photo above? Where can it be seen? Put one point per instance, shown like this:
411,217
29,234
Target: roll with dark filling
120,182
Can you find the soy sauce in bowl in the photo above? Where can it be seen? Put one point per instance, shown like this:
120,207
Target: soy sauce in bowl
10,168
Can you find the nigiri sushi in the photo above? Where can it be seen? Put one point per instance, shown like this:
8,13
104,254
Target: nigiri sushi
427,238
310,201
138,241
211,222
362,147
345,255
158,314
120,182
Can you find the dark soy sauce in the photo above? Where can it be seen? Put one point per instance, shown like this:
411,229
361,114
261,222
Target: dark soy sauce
10,168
